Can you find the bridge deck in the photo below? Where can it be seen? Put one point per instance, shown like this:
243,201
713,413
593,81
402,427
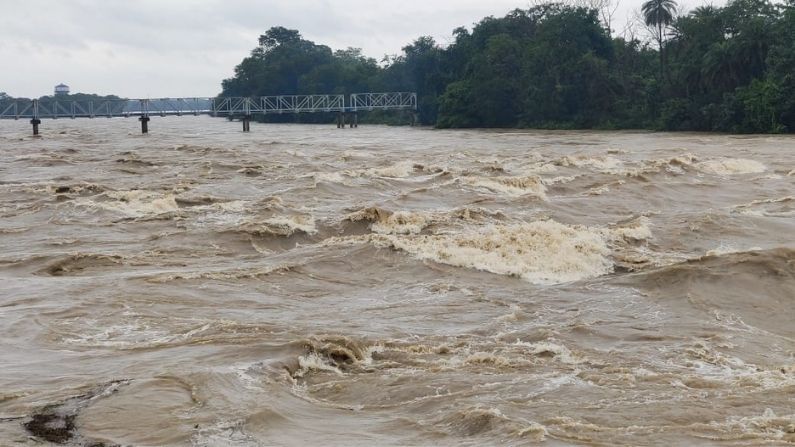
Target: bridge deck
237,106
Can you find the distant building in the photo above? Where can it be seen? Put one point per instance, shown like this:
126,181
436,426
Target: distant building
61,89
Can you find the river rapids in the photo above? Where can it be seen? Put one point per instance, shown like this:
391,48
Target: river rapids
306,285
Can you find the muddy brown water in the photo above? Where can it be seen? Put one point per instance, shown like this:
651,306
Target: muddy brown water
304,285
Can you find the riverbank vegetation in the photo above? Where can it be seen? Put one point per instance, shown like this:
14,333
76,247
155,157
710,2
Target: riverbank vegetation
6,99
729,69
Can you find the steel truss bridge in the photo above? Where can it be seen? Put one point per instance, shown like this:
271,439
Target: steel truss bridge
243,108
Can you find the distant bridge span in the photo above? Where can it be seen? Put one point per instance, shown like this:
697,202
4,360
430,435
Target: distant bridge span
235,107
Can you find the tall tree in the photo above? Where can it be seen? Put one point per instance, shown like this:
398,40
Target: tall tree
727,68
422,63
660,14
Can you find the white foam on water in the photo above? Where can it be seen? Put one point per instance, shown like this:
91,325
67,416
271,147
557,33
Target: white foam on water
704,363
725,249
679,160
764,201
511,186
289,225
358,153
233,206
136,203
731,166
224,433
132,332
539,168
753,213
755,208
678,164
314,362
230,213
598,190
639,229
398,170
490,358
767,426
401,222
328,177
535,431
542,252
602,163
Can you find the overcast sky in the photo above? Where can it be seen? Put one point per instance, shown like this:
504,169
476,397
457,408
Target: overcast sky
160,48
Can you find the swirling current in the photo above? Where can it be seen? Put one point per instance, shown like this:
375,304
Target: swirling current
306,285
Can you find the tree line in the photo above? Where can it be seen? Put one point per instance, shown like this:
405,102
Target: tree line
557,65
6,99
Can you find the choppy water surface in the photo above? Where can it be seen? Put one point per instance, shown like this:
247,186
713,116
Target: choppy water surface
392,286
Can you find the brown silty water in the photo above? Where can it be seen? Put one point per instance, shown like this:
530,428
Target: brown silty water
394,286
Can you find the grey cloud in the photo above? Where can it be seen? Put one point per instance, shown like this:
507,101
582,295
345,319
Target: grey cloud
186,47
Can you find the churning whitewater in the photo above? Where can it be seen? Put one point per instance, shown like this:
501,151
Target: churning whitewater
305,285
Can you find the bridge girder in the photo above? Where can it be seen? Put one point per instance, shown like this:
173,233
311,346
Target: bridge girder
229,106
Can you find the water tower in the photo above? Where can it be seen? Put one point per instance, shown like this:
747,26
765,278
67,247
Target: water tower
61,89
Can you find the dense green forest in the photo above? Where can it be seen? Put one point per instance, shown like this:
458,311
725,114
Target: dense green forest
726,69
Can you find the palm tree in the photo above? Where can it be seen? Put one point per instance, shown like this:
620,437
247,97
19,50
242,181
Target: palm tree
704,12
660,14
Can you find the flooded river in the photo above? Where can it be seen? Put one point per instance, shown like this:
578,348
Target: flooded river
306,285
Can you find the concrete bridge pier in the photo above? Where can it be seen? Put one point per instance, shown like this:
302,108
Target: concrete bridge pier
355,120
144,118
35,122
246,123
144,124
341,120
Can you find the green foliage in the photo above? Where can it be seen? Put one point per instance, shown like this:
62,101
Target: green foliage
675,114
658,12
422,69
760,109
277,65
5,100
725,65
726,68
455,108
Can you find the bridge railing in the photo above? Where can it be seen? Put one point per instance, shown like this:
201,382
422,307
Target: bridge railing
278,104
171,106
54,108
61,109
383,101
234,106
